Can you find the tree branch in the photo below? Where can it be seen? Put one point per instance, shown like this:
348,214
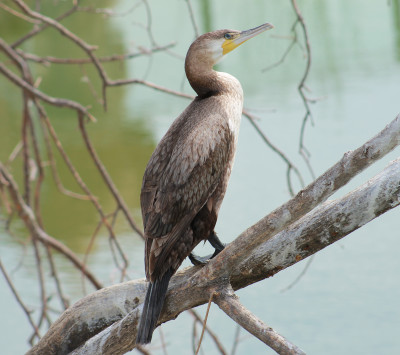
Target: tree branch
256,254
230,304
111,58
19,300
31,223
40,95
351,164
106,177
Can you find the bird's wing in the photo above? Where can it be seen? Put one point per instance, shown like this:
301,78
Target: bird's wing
178,182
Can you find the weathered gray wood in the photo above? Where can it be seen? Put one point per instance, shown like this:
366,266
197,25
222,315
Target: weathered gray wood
291,233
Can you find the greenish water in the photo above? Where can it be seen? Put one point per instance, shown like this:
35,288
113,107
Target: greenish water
347,303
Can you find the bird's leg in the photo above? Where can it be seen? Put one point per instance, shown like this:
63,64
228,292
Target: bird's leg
216,243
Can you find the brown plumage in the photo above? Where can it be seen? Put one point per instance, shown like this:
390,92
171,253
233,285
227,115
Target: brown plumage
187,175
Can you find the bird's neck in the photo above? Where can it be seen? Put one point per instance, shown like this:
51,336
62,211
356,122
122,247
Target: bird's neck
208,82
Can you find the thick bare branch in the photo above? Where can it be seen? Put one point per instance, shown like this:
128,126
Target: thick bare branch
323,226
291,233
352,163
81,321
191,287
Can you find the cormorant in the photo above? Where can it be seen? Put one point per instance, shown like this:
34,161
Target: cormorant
186,178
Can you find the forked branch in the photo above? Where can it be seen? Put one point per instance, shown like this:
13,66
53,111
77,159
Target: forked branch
278,241
230,304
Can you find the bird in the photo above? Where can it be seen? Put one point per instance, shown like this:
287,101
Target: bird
187,175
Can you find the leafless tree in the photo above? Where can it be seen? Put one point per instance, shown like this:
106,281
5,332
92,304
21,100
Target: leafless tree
105,321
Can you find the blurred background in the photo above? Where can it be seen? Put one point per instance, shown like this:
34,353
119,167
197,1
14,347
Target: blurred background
347,301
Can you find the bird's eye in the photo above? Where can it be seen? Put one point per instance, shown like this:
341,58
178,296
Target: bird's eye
228,36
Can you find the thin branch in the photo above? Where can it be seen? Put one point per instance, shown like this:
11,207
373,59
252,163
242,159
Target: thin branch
301,274
163,343
230,304
42,286
106,177
194,337
53,163
205,322
19,300
31,223
150,85
285,53
18,14
236,339
35,92
112,58
17,149
88,49
108,12
191,287
39,29
290,165
82,184
209,331
192,18
322,188
25,149
301,88
36,208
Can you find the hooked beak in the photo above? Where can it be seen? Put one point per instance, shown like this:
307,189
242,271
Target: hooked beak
241,37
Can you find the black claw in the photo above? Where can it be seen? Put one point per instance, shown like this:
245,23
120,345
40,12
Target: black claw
215,242
198,260
218,246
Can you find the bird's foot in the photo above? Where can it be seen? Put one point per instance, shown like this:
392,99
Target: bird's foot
218,246
216,243
199,260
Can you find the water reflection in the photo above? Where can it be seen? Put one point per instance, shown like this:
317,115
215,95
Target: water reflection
396,22
122,138
206,16
353,69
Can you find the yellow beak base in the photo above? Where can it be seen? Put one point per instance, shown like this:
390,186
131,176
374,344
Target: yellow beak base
230,44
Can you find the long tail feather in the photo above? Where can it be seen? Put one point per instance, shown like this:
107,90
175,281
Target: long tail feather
153,305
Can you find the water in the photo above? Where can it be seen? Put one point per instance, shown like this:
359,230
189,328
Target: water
347,303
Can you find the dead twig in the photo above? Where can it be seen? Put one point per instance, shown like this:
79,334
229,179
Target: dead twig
212,335
204,323
230,304
106,177
37,93
301,88
290,166
19,300
39,29
47,60
31,223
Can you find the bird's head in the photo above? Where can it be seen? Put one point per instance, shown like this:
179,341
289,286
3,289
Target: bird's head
211,47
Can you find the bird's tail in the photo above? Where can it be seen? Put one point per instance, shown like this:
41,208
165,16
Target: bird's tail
153,305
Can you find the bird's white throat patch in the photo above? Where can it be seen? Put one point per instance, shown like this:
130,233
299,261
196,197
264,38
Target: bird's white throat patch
216,50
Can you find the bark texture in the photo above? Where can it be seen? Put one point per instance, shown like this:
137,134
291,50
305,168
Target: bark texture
106,321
